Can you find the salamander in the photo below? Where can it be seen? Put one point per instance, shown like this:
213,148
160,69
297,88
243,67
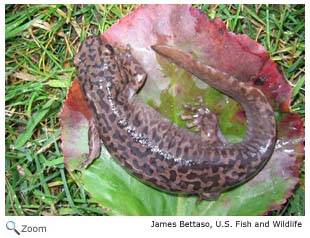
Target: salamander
151,147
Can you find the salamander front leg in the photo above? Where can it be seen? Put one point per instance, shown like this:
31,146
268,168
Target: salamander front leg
93,144
134,73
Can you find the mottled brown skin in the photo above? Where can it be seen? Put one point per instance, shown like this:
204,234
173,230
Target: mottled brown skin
154,149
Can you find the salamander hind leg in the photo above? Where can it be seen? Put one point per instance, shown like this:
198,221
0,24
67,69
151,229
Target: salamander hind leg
208,196
204,121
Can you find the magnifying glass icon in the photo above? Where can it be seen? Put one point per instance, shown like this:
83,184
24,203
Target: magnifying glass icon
10,225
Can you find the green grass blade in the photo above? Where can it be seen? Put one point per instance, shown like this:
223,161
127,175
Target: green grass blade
32,123
9,33
66,188
11,196
298,85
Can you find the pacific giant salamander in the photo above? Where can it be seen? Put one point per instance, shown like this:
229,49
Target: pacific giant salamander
154,149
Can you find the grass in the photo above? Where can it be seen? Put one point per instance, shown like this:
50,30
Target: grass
41,41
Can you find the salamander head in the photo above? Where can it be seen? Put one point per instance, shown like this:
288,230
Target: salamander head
107,70
96,64
91,50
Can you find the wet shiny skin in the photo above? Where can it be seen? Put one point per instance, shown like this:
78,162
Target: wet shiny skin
154,149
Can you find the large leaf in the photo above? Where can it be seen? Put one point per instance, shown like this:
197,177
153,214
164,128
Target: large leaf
167,89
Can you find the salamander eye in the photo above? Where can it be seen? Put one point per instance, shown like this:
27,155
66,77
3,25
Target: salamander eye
108,49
